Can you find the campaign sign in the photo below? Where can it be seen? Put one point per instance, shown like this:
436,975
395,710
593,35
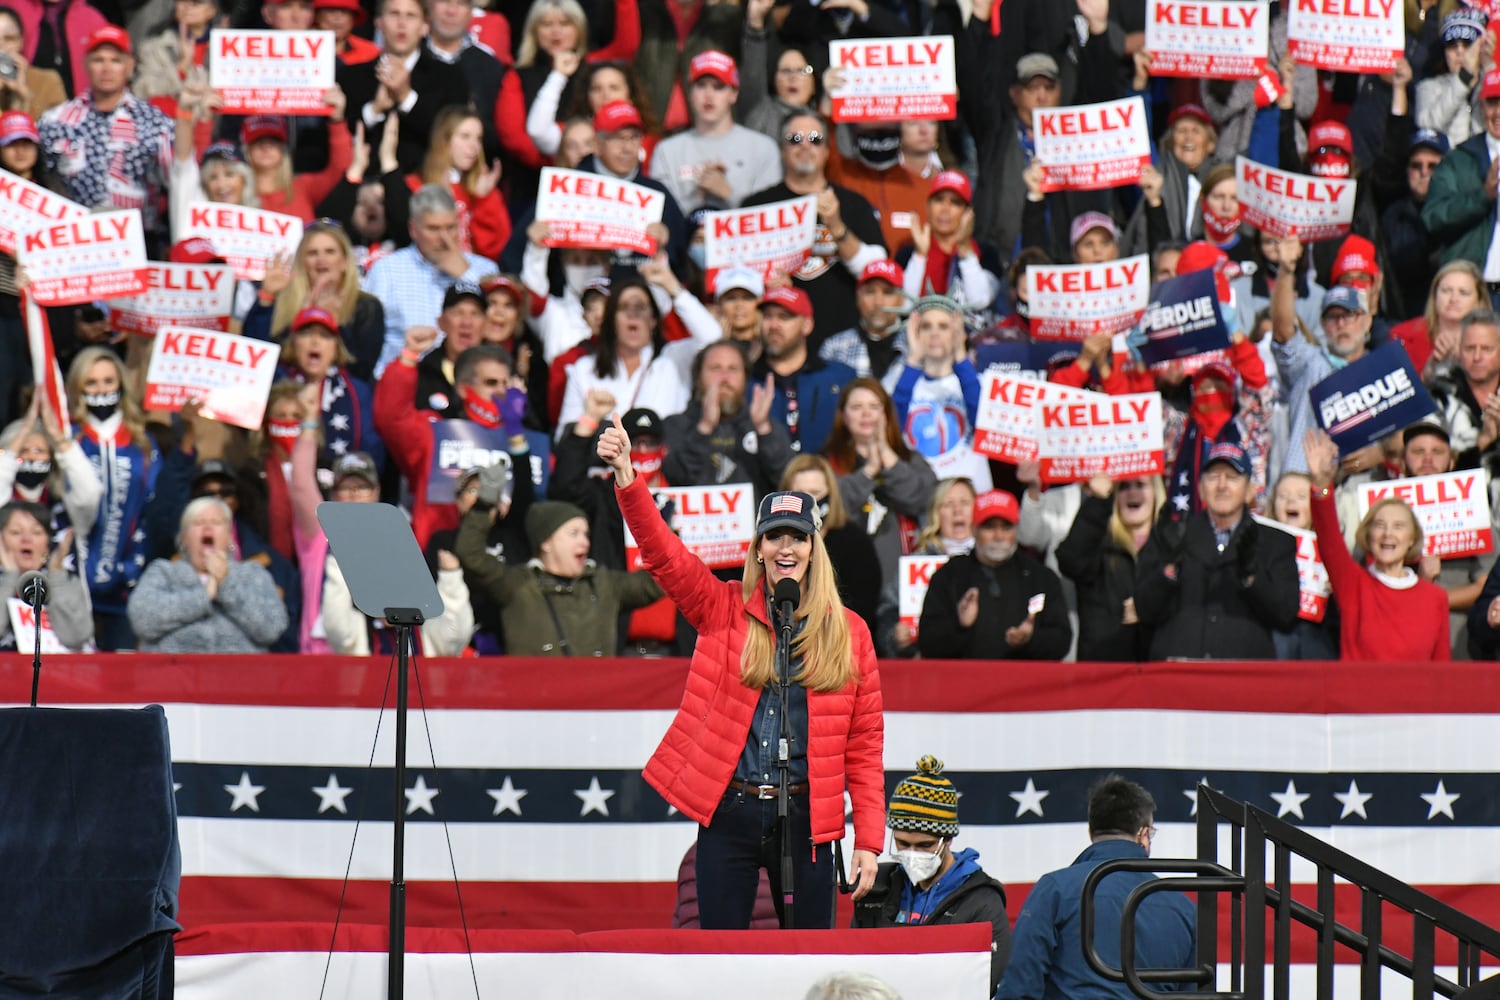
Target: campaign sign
894,79
245,237
23,627
1286,204
1312,576
1072,301
230,375
1005,425
1212,39
594,212
1089,146
460,445
1370,398
271,72
1091,434
196,295
98,256
716,523
25,206
1014,356
773,239
1453,509
1183,319
1347,36
915,573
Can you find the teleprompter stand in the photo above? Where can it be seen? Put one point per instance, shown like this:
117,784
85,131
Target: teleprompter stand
388,578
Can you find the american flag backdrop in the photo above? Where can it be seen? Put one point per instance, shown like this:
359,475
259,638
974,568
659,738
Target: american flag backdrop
550,824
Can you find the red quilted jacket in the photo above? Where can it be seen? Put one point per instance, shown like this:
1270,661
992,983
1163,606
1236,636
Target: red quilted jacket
696,759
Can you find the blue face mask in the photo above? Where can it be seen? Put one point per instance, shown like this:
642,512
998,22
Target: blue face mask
698,254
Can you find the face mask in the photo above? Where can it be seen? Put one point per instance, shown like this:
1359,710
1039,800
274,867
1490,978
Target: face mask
1330,165
823,509
31,474
1218,228
102,405
1023,309
577,276
879,150
698,254
647,461
482,411
919,865
284,432
1212,409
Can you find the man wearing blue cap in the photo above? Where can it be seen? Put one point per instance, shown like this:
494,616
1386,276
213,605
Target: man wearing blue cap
1214,585
1406,236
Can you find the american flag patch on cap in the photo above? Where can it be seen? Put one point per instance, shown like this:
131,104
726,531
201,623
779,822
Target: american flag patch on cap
784,503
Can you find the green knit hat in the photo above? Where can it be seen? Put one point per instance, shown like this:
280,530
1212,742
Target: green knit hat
543,520
925,802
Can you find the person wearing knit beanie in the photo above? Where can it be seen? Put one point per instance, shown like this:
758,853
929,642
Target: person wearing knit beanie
544,519
930,883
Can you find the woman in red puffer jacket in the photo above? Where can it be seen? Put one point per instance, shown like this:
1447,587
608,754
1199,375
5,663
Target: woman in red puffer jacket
717,762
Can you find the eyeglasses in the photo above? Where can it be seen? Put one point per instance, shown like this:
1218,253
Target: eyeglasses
324,223
789,72
798,138
1421,167
635,312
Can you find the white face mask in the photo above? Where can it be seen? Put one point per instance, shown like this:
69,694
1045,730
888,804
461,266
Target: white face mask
920,865
577,276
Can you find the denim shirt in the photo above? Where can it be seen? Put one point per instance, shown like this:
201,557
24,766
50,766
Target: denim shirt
757,764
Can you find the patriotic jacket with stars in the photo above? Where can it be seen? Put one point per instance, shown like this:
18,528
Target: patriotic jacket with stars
119,160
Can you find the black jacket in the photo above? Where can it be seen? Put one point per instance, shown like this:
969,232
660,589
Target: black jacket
733,453
1105,576
1204,611
980,900
436,84
1001,606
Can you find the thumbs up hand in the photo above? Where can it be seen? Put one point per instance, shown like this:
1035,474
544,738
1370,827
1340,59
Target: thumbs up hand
614,451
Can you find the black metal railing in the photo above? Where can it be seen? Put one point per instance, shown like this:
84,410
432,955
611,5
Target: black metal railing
1253,898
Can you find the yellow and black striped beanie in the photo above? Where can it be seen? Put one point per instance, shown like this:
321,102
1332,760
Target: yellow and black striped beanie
925,802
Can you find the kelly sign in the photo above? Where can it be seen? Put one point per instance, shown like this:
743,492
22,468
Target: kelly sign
1370,398
1092,434
773,239
100,256
1183,319
1088,146
1072,301
1005,425
23,628
716,523
457,446
271,72
245,237
1214,39
911,587
25,206
894,79
1453,509
1312,575
594,212
1347,36
228,374
1287,204
195,295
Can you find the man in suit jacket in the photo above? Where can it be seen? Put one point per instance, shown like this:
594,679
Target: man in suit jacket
407,81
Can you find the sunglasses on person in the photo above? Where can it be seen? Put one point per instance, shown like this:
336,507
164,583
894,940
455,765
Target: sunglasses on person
798,138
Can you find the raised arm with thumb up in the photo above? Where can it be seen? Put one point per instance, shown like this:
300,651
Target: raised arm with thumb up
614,451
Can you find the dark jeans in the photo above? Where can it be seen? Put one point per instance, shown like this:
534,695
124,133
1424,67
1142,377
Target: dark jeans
740,840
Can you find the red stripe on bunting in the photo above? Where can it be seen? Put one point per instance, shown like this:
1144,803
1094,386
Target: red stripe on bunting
540,684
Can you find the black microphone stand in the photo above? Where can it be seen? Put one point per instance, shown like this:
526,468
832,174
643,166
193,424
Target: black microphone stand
33,590
785,615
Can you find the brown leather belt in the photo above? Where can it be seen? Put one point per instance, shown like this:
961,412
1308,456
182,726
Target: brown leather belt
766,791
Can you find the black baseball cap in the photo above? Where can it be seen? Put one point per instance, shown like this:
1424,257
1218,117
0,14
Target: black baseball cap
641,422
789,509
461,290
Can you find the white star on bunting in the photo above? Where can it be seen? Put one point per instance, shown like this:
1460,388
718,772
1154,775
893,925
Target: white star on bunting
245,794
1029,799
594,798
507,797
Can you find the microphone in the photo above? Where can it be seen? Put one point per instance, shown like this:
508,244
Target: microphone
32,588
787,596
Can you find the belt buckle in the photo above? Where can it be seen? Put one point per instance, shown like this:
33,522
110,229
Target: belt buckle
764,791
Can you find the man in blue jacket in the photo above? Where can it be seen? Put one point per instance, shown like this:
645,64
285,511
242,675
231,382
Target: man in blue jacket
807,387
1046,959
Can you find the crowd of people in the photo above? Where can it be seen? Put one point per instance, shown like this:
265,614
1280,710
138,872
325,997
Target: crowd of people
425,293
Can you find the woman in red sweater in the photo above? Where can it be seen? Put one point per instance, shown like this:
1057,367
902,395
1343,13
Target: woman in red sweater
455,157
1387,613
716,762
264,140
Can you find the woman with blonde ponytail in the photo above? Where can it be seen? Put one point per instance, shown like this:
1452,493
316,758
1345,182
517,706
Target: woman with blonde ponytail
717,762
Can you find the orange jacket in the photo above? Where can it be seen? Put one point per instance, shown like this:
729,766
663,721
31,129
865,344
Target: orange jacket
696,759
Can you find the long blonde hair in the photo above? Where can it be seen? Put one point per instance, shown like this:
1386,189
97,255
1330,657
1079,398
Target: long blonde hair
930,534
439,159
838,514
1481,290
526,51
1117,530
132,417
294,297
822,645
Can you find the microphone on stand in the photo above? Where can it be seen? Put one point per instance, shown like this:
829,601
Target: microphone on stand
32,588
786,596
